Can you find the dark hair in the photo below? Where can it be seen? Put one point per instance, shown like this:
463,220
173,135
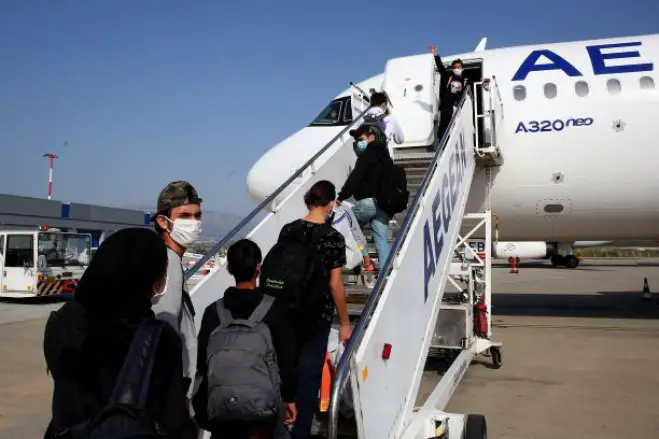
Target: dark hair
242,258
320,194
457,61
156,226
120,278
378,99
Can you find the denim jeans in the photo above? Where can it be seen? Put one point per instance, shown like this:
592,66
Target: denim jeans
367,211
312,348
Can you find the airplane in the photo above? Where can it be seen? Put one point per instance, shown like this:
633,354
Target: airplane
580,137
552,251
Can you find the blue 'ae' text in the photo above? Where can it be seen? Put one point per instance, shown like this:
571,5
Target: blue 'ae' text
443,204
545,126
600,57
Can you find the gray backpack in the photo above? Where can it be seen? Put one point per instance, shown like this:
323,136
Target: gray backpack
243,376
376,123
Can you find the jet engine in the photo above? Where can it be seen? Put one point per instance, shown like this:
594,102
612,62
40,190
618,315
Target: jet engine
523,250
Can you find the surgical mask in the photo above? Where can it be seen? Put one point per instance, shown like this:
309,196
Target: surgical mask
329,216
457,72
157,294
185,231
361,146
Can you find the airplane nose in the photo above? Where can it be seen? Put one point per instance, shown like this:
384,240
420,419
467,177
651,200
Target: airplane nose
258,185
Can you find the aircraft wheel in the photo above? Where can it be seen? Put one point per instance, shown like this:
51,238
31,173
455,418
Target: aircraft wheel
571,261
497,356
475,427
557,260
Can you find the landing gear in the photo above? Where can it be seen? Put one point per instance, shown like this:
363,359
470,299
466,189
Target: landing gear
569,261
475,427
557,260
497,356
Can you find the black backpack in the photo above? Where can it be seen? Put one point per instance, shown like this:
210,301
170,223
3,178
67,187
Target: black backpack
291,273
393,195
126,416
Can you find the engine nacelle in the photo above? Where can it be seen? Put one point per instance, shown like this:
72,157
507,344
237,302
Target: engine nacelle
522,250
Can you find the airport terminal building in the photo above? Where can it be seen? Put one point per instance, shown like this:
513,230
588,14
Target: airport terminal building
99,221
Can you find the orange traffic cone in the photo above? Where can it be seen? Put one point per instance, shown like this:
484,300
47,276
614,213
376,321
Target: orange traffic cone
513,265
646,290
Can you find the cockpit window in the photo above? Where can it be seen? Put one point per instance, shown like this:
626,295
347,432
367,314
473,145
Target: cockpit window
330,115
347,112
337,113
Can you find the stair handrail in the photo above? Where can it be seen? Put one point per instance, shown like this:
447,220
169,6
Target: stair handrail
258,209
343,368
361,94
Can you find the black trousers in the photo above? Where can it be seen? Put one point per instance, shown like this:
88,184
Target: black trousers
446,113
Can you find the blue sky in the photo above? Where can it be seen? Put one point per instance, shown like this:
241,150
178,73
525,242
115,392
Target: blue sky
148,91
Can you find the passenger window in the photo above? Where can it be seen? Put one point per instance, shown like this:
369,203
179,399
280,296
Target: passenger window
330,115
647,83
554,208
20,251
519,92
581,88
613,85
347,111
550,90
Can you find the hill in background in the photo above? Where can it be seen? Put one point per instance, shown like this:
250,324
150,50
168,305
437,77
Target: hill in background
216,224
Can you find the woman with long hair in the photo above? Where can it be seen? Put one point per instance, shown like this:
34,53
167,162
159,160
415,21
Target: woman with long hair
86,341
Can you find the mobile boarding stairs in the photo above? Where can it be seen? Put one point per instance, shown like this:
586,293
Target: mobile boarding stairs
428,289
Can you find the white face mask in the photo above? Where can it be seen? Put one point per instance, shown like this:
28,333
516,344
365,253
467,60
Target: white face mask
457,72
185,232
158,294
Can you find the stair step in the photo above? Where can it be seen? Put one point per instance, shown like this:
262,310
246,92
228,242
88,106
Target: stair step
355,309
356,297
414,179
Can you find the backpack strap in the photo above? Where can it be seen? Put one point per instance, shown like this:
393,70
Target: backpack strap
186,300
262,309
134,380
225,316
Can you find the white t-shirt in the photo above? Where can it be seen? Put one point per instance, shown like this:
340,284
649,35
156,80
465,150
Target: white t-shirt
392,129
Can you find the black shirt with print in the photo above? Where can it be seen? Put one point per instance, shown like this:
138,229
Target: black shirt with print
331,250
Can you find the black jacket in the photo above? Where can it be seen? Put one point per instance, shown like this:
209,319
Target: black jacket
447,99
84,356
364,180
241,304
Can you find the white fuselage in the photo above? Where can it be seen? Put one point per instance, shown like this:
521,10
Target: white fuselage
579,139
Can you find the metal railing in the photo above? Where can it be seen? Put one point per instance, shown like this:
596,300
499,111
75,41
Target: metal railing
361,94
343,368
264,204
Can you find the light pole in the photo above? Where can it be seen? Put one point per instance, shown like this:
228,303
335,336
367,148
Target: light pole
51,159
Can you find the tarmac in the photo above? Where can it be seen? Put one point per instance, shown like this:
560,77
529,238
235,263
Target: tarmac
581,356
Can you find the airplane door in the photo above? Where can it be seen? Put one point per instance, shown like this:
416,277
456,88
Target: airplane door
19,264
